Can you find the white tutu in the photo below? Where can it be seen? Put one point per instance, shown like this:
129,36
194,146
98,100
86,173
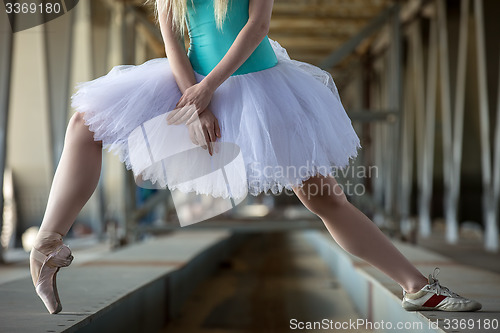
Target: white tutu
279,126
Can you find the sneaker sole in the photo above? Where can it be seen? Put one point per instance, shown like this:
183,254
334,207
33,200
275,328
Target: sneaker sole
413,307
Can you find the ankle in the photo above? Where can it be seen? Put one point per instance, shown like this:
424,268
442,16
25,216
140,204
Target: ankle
412,290
415,286
46,241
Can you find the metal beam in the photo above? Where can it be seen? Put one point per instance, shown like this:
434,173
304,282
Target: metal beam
450,211
395,103
416,50
428,149
351,45
142,19
491,228
6,43
314,26
455,165
330,9
378,144
58,35
496,175
372,115
407,149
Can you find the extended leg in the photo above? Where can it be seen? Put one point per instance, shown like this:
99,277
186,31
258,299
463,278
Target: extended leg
356,233
75,179
74,182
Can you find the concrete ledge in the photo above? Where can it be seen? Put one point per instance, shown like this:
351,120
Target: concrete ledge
135,289
378,298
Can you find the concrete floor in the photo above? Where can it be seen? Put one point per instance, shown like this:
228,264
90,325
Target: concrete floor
132,289
381,299
468,251
272,279
17,260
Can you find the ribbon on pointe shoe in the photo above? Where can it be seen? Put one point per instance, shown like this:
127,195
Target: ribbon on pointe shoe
54,259
45,285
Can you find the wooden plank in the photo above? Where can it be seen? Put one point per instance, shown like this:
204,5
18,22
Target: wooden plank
315,26
321,44
333,9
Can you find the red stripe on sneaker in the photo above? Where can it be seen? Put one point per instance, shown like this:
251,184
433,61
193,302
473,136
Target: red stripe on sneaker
434,301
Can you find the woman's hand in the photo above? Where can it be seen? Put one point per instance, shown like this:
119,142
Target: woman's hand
245,43
205,130
192,104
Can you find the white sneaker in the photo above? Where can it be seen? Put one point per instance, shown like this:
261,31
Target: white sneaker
433,296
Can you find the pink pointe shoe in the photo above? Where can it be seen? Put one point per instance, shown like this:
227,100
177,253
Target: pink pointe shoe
45,286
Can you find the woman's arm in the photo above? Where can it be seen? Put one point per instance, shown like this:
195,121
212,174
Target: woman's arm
250,36
176,52
208,128
197,97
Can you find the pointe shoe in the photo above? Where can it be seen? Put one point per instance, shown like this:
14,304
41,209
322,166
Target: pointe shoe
45,286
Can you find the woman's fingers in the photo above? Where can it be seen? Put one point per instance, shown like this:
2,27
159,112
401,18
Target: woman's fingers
195,116
217,128
208,140
192,135
175,115
192,104
204,137
201,137
190,110
181,102
212,132
204,131
179,116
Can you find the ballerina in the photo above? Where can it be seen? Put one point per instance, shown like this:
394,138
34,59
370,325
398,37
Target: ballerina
236,85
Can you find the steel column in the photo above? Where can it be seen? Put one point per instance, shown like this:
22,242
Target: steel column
418,67
378,144
455,178
407,149
6,43
496,175
396,104
58,35
491,228
450,212
428,150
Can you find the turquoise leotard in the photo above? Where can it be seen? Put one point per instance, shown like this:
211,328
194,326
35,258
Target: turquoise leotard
208,44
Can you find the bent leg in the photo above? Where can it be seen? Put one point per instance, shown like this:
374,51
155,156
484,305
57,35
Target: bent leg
75,179
356,233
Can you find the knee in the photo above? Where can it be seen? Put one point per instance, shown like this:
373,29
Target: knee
322,204
77,130
76,122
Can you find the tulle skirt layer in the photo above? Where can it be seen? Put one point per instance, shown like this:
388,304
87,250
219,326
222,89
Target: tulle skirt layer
279,126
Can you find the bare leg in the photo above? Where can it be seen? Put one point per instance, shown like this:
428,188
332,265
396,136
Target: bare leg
74,182
356,233
75,179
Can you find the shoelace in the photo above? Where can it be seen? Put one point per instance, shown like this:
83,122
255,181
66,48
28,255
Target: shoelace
439,288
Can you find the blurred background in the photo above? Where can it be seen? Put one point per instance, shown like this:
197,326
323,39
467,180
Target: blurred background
419,78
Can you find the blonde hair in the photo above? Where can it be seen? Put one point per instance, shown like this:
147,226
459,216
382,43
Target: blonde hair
179,10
